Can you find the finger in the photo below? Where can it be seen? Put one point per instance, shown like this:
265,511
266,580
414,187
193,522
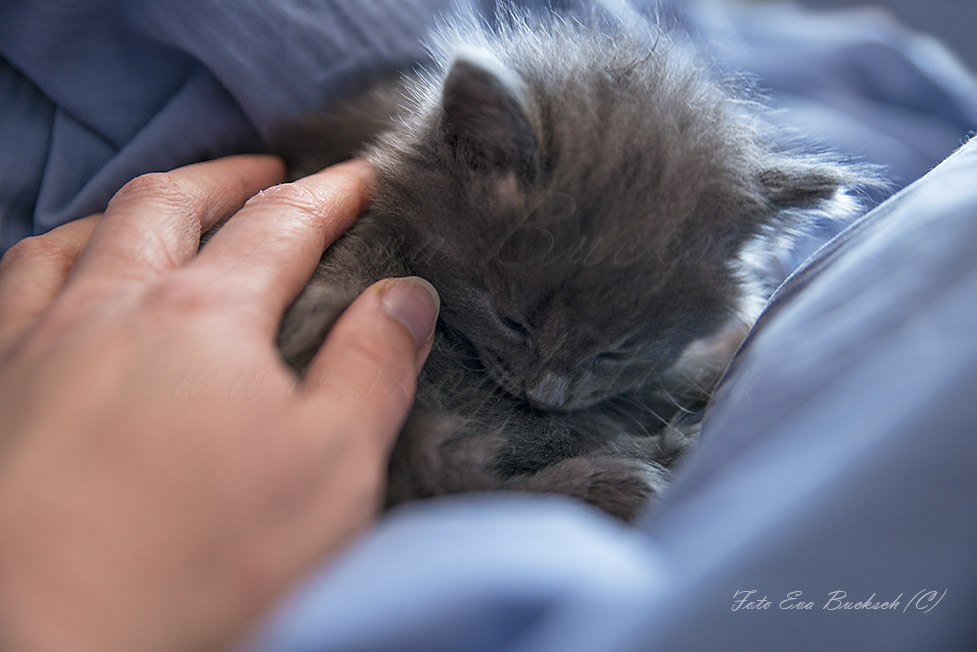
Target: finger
366,371
155,221
33,271
266,253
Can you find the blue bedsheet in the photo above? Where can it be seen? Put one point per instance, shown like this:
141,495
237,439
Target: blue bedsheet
837,453
95,93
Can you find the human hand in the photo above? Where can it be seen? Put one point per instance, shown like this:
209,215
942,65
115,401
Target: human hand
163,476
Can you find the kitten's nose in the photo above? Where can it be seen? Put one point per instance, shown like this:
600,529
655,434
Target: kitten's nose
549,391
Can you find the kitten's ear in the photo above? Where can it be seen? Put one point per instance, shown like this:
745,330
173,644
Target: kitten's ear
485,122
800,184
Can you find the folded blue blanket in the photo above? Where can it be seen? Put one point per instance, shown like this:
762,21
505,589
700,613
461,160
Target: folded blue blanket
835,459
96,93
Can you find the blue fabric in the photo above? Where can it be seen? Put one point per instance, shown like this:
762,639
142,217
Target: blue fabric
95,93
478,574
836,454
855,80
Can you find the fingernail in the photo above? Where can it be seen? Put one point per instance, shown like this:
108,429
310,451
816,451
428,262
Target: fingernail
414,303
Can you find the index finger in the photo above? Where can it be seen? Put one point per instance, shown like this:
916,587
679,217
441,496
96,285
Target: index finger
267,252
154,223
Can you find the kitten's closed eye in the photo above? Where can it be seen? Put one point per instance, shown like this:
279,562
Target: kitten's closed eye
611,357
514,327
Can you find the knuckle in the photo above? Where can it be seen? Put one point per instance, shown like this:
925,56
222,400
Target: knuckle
290,197
37,249
157,187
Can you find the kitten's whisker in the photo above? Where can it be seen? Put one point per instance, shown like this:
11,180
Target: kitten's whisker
671,398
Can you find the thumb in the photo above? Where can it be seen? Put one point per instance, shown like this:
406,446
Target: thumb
367,369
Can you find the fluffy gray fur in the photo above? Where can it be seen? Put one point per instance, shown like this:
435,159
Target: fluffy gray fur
588,198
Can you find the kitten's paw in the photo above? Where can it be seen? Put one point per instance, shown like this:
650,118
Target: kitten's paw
438,454
621,487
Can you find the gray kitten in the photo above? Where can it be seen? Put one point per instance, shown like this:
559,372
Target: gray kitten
589,199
